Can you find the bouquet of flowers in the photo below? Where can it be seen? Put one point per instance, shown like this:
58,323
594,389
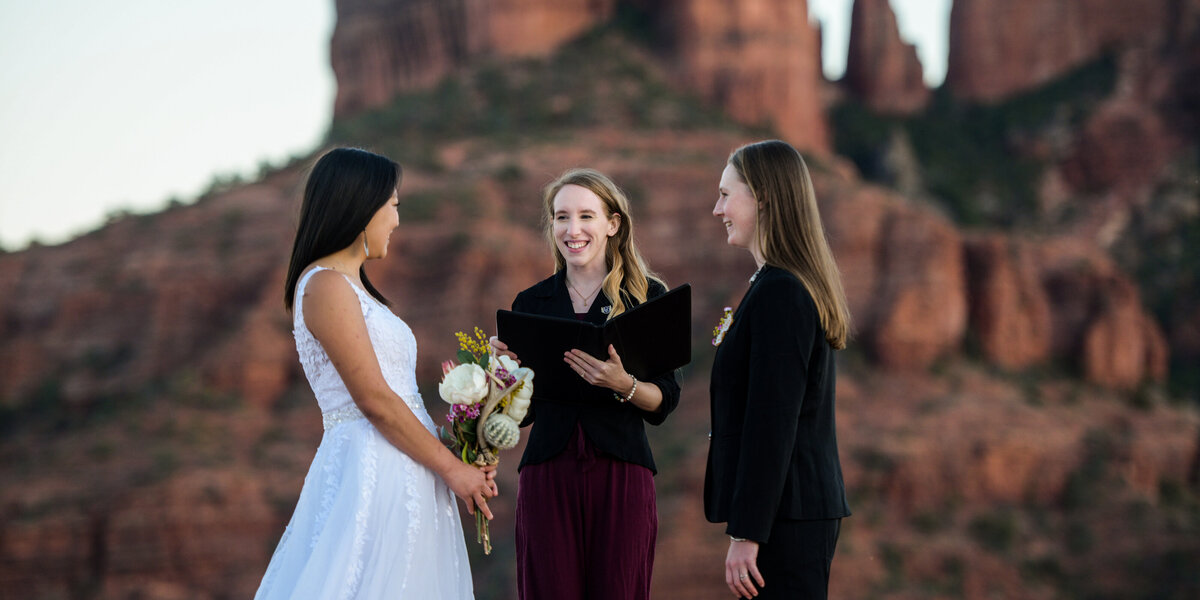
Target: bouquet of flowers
489,396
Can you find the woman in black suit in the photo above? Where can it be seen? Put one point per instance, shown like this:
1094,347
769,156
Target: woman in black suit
773,471
586,515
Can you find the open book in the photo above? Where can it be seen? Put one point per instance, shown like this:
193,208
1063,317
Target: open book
652,339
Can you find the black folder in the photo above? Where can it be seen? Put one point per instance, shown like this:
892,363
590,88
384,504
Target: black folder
652,339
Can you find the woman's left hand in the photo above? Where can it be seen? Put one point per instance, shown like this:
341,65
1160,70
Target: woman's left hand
741,569
609,374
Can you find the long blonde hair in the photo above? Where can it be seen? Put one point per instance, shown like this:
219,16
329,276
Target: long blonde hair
627,269
789,230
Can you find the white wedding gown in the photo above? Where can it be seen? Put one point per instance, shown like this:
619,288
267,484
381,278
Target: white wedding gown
371,522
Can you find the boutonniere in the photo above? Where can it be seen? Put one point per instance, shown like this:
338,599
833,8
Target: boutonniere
722,327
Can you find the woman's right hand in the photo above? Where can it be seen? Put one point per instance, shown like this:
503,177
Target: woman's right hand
499,348
472,485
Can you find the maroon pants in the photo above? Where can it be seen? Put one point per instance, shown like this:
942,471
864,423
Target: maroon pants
586,526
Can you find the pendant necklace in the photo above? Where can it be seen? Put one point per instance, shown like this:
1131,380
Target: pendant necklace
585,299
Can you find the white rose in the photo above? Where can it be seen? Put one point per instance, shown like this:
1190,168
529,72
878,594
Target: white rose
507,364
464,384
520,400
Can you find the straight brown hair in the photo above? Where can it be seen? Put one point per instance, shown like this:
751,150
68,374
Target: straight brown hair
789,231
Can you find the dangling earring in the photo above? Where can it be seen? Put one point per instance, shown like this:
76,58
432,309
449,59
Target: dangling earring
366,250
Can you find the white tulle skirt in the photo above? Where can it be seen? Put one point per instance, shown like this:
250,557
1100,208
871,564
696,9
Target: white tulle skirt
371,523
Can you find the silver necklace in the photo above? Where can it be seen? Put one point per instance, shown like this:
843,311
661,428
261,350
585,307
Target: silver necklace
756,272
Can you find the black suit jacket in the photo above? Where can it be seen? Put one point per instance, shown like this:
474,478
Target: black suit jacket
614,427
773,453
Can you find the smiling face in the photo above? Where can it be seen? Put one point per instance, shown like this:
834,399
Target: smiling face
582,227
379,228
738,211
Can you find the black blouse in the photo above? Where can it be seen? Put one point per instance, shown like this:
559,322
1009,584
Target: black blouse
615,428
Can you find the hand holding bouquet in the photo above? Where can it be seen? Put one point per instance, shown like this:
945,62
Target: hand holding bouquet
489,396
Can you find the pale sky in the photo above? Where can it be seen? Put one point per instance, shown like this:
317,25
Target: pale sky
110,105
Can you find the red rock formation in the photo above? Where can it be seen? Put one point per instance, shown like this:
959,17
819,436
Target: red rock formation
903,272
882,70
1123,146
1010,313
1098,317
854,223
1000,48
142,298
193,532
759,59
380,49
922,294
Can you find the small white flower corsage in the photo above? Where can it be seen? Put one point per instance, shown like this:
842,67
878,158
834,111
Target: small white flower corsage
722,327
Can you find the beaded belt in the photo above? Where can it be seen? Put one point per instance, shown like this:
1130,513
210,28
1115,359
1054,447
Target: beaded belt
341,415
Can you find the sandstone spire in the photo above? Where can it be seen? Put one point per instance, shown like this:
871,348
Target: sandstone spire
881,69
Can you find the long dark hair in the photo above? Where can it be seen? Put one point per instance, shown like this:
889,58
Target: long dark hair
345,189
790,234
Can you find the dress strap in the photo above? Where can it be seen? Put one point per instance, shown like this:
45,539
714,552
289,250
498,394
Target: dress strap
364,299
298,298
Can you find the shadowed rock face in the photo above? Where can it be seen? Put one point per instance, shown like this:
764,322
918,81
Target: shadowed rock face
881,69
383,47
759,59
1000,48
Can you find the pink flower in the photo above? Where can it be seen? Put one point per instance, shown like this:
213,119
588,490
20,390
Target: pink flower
447,366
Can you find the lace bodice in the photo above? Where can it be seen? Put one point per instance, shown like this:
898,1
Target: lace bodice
393,341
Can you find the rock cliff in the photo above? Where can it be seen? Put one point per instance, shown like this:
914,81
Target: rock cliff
882,70
384,47
759,60
1001,48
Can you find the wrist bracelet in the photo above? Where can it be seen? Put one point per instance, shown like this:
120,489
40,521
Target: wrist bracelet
631,391
736,539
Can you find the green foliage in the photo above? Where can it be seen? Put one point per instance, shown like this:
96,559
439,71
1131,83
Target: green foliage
419,206
1045,569
892,557
970,154
599,79
1163,251
996,531
873,459
931,521
1086,482
1079,537
954,570
510,173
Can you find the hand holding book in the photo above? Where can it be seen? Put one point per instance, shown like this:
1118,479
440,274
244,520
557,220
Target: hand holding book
650,340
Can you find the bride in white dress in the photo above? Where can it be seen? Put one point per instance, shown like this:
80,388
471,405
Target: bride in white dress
376,517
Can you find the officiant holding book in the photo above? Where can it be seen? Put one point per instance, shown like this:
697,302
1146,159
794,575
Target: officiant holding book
586,514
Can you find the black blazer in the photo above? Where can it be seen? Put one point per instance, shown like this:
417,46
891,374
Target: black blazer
773,453
614,427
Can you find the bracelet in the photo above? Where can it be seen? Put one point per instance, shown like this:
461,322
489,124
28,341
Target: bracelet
631,391
736,539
